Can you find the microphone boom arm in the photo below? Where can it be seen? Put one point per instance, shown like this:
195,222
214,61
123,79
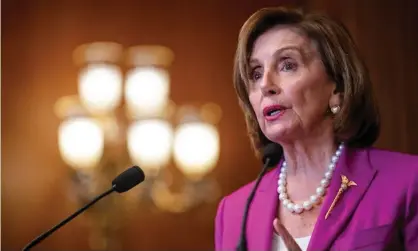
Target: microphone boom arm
69,218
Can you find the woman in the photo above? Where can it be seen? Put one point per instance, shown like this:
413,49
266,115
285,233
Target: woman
302,85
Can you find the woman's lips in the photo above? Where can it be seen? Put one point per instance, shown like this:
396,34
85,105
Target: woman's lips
273,112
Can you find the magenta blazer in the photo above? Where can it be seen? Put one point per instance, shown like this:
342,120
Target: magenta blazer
380,213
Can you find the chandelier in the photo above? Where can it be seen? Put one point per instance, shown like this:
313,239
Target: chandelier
122,115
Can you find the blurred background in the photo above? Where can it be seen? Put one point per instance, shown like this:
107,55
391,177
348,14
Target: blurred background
77,108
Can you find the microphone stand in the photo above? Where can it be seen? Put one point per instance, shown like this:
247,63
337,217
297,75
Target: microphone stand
242,246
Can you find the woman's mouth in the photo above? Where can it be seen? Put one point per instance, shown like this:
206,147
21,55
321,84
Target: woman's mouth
273,112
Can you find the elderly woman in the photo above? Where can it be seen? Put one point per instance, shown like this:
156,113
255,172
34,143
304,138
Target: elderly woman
302,86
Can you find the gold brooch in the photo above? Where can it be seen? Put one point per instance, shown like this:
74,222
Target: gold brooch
345,184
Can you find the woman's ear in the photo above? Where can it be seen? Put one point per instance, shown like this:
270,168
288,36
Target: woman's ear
335,100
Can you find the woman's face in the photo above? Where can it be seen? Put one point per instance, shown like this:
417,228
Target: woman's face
289,89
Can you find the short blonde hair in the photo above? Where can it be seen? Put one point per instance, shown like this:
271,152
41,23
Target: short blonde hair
358,122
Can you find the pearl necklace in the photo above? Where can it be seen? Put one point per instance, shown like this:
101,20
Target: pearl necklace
320,191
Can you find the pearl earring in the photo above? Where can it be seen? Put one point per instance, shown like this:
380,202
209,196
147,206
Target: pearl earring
335,109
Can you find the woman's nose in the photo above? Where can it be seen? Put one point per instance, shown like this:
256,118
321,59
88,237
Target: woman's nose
269,85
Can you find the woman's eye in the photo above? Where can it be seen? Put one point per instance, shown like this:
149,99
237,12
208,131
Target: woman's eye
256,75
288,66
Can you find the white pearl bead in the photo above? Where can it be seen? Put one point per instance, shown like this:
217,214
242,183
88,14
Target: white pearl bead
328,175
307,205
338,153
320,191
314,199
297,208
290,206
281,189
286,202
334,159
281,182
282,175
282,196
325,182
331,167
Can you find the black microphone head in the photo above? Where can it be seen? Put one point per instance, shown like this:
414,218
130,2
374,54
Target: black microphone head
128,179
273,152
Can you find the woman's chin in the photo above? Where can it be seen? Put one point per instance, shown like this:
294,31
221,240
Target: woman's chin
278,135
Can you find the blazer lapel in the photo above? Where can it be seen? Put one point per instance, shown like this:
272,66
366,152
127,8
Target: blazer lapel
262,213
356,167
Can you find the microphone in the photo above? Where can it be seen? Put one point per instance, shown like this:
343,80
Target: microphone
271,157
122,183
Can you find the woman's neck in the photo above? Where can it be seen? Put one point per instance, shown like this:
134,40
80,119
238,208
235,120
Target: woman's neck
309,156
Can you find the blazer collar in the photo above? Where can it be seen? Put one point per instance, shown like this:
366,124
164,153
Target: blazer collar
355,165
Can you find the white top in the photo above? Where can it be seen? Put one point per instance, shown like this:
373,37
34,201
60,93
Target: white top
278,244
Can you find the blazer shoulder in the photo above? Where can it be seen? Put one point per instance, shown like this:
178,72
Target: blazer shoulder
397,168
